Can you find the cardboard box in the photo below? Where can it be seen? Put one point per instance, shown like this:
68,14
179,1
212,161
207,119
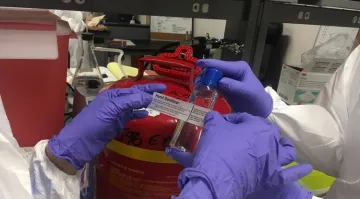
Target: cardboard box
324,65
299,87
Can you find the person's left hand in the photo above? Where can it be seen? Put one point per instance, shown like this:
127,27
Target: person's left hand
102,120
287,191
238,154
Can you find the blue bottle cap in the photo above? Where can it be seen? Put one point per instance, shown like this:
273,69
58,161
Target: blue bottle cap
211,77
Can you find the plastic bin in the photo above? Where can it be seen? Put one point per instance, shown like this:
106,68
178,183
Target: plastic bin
33,64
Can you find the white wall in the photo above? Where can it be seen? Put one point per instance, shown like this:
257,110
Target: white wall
301,39
142,19
215,27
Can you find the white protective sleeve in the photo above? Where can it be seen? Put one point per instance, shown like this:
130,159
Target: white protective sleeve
344,106
34,177
314,132
347,185
48,181
14,174
318,130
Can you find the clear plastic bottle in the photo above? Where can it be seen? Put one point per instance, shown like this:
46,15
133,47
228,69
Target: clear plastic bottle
87,78
187,135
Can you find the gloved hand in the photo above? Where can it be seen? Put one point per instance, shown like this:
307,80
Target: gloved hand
238,154
288,191
102,120
240,87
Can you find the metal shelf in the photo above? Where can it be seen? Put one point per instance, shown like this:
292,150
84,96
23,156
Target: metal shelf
298,14
306,14
352,4
257,13
218,9
233,10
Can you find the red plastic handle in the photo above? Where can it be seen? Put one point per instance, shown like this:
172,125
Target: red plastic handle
182,71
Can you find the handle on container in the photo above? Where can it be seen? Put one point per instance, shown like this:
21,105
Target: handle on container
180,75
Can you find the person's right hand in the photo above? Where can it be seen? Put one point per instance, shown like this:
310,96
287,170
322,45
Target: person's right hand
239,154
240,87
288,191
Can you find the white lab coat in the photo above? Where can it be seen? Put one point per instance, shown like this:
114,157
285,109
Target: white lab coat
34,176
327,134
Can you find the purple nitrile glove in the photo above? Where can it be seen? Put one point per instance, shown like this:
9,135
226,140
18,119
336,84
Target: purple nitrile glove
102,120
240,87
238,154
288,191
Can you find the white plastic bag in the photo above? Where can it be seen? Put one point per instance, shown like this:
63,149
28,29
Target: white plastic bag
76,23
328,56
74,18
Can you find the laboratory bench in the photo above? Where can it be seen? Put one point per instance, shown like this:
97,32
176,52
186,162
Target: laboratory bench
137,34
144,47
141,48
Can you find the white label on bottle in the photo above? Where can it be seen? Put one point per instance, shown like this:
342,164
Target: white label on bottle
178,109
197,115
